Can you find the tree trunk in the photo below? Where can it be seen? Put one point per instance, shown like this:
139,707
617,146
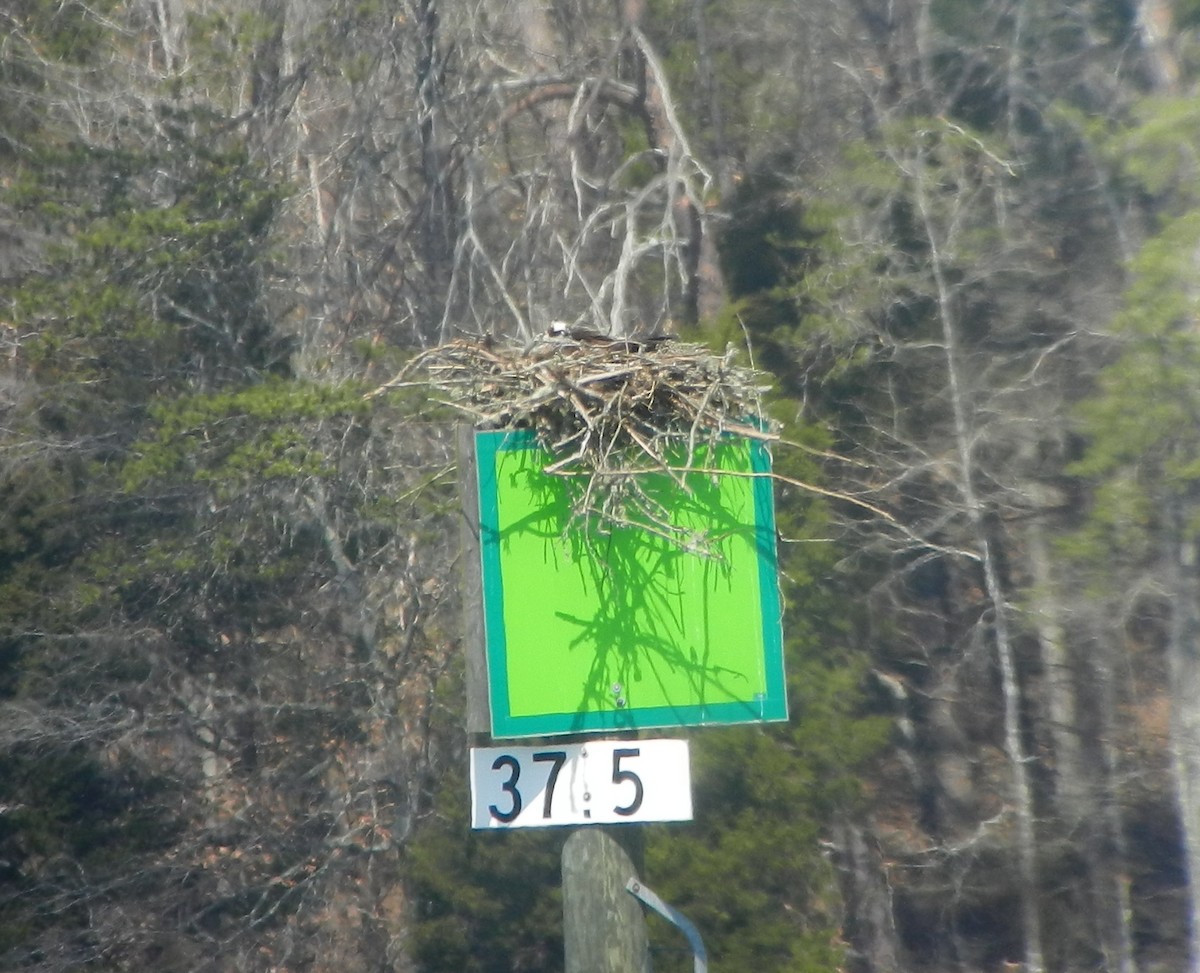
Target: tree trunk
1070,780
1183,651
1107,852
1009,686
870,925
1155,27
1031,922
1084,782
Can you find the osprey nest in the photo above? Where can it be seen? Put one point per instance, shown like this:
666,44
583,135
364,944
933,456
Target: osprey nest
605,409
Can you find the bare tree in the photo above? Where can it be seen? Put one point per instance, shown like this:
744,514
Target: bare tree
970,338
455,178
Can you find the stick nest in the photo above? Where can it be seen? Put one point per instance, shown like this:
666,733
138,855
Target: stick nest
605,411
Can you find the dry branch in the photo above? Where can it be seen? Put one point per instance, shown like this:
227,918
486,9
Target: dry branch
597,398
607,410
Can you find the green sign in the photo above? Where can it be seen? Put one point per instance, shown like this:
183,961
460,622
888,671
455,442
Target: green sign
620,627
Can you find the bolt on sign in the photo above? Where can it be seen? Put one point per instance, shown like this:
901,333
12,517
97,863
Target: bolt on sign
598,625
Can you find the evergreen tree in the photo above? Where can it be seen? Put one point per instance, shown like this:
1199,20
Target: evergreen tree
1144,525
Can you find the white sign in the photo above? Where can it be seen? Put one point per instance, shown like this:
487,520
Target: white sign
598,782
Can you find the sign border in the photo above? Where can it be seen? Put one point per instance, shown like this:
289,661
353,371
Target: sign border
770,706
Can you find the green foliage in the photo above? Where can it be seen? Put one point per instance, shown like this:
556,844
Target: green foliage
749,871
149,291
640,168
71,32
485,902
233,439
789,278
1142,422
37,538
68,816
1155,152
151,288
66,802
160,286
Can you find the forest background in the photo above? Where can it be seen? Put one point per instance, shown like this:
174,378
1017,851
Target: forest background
961,236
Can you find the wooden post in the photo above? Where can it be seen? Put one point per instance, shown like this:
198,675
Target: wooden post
604,930
478,715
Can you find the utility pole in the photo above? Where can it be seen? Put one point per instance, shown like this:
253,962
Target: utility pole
604,930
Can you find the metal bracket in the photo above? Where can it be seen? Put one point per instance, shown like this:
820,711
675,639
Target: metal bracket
675,917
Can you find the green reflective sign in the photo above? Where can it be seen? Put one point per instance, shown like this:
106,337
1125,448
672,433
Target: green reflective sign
624,628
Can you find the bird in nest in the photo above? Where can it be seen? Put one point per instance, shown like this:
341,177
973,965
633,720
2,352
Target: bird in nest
561,331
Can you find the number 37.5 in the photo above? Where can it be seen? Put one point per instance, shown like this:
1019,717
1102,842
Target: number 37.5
556,759
598,782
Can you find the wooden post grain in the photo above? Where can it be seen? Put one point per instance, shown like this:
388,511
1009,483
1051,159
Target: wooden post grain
604,930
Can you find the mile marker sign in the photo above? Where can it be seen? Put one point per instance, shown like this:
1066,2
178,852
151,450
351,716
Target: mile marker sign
623,628
598,782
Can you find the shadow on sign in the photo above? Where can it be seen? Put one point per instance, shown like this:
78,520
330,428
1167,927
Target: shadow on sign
673,622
